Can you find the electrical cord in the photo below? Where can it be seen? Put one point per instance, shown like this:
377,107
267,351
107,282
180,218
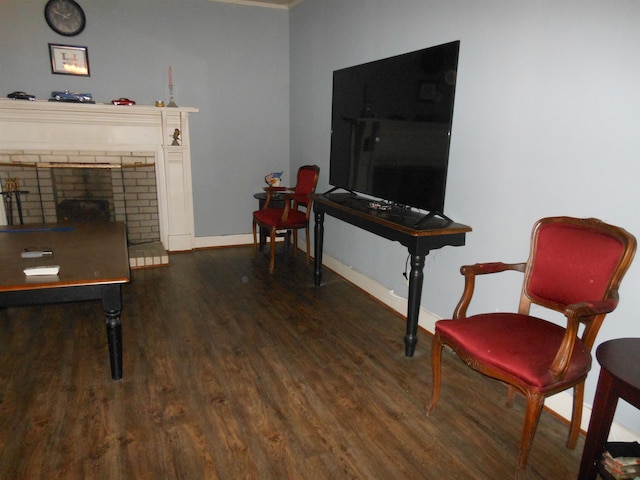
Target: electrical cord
406,267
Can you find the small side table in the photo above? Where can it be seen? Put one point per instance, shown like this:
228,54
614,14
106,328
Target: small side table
619,378
277,201
8,202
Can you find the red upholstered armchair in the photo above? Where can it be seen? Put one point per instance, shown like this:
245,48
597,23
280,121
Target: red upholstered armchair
294,215
575,267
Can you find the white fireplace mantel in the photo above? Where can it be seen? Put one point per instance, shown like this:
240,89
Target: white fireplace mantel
35,126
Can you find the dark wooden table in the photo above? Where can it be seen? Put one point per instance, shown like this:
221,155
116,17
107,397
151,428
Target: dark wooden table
619,378
94,263
407,227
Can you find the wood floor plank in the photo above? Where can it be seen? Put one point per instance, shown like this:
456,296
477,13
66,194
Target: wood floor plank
233,373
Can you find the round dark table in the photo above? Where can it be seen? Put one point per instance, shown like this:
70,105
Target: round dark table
277,200
619,378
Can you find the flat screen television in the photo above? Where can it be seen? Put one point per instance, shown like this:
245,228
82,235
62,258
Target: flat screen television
391,127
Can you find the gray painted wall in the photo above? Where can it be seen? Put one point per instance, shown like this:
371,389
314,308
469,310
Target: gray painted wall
230,61
545,123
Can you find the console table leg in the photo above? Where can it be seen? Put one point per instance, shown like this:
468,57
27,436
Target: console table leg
112,306
415,292
318,245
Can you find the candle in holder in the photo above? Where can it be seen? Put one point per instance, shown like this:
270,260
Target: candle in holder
172,102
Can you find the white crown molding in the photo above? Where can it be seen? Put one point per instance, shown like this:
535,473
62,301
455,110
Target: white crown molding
279,4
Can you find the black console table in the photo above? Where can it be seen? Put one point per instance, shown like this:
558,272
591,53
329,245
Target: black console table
398,225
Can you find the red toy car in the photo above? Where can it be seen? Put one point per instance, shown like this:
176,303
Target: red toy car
123,101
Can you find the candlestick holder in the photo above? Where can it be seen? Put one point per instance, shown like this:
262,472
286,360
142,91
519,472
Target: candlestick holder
172,102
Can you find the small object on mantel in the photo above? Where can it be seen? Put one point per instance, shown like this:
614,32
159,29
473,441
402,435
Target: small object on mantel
176,138
67,96
159,103
273,179
172,102
123,101
21,96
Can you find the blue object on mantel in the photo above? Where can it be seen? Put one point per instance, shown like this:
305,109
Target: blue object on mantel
37,229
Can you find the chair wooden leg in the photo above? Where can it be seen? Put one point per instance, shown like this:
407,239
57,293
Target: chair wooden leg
535,402
576,415
511,395
295,242
308,243
436,359
272,254
255,239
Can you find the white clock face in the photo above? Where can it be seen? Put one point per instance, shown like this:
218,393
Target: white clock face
65,17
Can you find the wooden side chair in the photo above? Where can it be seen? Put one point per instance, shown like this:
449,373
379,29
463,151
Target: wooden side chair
295,214
575,267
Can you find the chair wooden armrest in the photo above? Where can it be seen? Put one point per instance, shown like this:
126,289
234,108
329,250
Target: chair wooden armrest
491,267
293,200
288,197
586,310
470,272
577,313
274,191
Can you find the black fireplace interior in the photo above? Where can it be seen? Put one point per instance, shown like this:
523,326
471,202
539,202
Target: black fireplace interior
83,210
83,194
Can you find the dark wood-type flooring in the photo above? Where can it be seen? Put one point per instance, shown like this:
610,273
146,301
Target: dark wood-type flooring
232,373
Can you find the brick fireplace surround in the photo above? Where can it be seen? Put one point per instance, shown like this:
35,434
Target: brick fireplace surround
150,177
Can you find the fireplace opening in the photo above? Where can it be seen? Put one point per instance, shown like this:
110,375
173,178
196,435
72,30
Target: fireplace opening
66,192
82,194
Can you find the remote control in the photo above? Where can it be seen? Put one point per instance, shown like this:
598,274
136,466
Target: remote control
35,253
42,270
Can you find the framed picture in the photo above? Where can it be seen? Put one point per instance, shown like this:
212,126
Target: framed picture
69,60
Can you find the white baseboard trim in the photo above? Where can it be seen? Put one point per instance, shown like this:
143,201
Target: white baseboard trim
560,404
223,241
226,241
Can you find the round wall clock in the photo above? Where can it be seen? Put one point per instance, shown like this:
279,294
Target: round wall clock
65,17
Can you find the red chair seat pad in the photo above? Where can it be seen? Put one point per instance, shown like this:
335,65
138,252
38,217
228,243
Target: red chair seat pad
519,345
273,217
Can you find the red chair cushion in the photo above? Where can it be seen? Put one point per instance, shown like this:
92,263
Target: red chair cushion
573,265
305,185
272,217
519,345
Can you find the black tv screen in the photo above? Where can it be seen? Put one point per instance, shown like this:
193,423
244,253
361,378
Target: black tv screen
391,127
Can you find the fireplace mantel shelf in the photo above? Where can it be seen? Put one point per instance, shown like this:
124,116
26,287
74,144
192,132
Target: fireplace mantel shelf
28,126
108,107
77,118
